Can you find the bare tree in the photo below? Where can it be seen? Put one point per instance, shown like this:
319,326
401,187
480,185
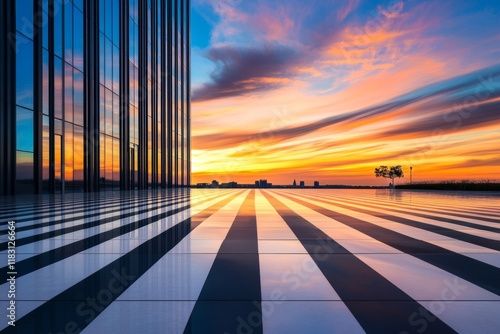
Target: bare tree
389,173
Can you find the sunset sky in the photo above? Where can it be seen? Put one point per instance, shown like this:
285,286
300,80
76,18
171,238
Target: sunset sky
327,90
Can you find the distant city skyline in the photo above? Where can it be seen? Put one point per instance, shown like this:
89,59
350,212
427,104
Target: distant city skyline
327,91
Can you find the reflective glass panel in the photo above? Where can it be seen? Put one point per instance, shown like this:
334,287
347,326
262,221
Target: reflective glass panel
58,15
109,112
24,129
102,59
58,88
68,32
116,116
78,153
24,72
116,70
45,82
102,108
45,23
24,172
79,3
24,17
108,67
108,21
78,97
68,93
68,156
116,22
116,161
45,148
109,159
78,38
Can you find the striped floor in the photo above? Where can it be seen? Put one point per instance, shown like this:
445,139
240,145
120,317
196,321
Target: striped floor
254,261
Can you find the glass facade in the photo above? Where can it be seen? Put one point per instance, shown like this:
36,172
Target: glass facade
94,95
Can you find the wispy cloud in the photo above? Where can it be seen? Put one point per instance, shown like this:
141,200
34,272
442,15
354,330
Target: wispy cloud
346,8
448,105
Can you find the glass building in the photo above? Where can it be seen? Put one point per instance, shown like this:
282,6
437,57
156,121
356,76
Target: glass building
94,95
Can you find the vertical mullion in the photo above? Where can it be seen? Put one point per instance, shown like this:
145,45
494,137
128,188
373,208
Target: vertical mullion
52,172
91,93
181,74
170,95
143,100
176,95
188,90
163,96
8,98
124,91
38,99
154,92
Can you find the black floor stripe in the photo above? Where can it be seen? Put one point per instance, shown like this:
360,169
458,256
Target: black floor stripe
476,272
39,261
360,287
458,235
105,285
231,296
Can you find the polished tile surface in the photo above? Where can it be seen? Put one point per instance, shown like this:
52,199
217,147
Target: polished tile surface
254,261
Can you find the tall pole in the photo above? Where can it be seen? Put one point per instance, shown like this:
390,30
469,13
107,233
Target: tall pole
411,172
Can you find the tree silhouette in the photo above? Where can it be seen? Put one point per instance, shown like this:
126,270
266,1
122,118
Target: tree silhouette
389,173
